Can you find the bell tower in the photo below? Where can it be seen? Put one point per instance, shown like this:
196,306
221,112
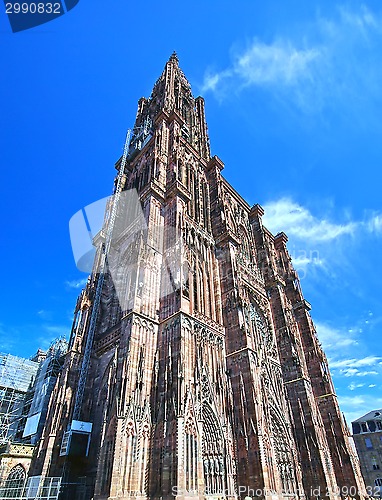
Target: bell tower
191,446
156,394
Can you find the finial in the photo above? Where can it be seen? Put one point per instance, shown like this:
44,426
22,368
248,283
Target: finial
174,57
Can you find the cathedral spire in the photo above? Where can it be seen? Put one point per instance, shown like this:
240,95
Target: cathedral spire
174,58
172,86
172,96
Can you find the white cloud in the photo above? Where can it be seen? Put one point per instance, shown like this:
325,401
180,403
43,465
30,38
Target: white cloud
333,338
211,80
355,367
278,63
301,261
361,21
356,363
356,406
76,283
374,224
352,400
305,259
354,386
366,373
353,372
45,315
295,220
334,62
349,372
312,237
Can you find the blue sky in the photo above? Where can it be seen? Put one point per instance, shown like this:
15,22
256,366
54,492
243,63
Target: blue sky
293,104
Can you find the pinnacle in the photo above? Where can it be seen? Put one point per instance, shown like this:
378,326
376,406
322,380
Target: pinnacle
174,58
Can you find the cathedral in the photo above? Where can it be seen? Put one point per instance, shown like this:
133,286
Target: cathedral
193,368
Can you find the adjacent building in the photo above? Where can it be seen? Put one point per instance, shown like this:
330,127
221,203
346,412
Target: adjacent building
25,388
17,376
50,364
367,435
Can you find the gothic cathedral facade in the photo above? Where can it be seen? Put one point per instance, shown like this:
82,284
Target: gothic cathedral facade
206,378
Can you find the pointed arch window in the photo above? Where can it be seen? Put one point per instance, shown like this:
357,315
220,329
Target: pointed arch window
191,455
200,289
195,289
207,294
191,203
196,198
14,483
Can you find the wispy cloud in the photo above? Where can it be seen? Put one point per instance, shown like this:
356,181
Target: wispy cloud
355,406
353,372
295,220
334,338
327,242
339,342
31,336
211,80
356,363
352,400
312,236
367,366
302,260
45,315
374,224
76,284
279,63
333,61
367,373
354,386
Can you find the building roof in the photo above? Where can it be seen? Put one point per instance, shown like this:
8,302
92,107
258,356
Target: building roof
372,415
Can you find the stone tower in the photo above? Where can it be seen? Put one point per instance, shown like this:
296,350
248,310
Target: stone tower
206,377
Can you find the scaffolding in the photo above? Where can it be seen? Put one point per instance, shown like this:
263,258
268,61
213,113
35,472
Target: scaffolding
17,376
25,389
37,400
